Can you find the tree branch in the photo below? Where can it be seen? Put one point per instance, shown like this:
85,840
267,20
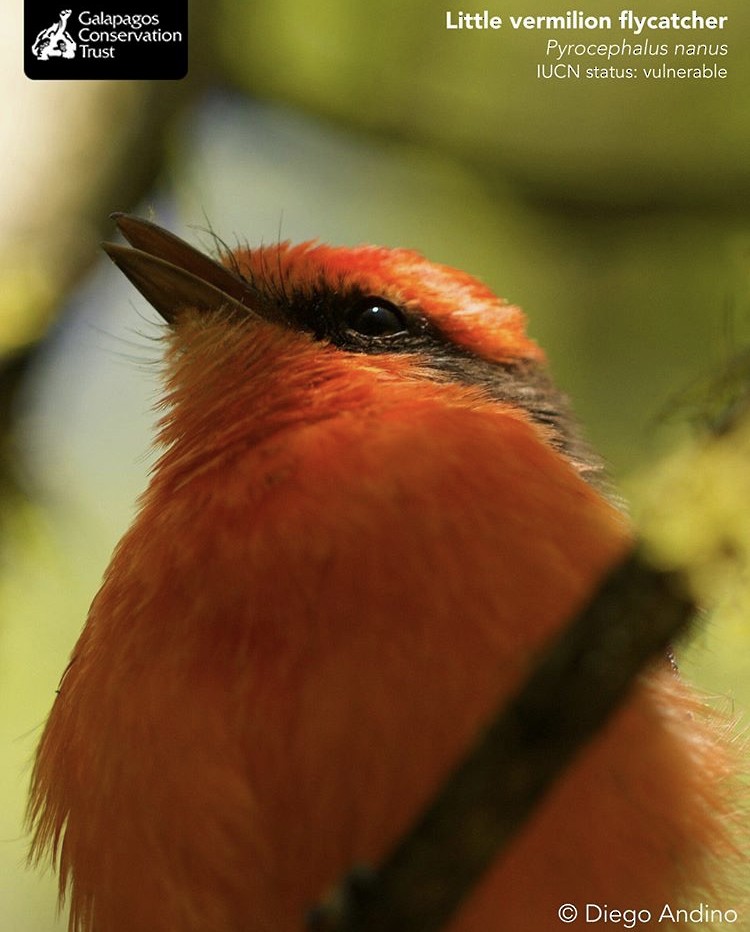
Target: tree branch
573,689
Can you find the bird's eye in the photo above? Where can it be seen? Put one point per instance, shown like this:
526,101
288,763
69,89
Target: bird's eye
376,317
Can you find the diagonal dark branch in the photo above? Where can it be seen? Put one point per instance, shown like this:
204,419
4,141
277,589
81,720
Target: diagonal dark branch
576,685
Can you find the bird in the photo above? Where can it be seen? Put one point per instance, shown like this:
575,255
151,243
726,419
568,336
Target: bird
371,510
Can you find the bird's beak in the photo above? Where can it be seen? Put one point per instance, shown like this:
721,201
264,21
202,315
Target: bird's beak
172,275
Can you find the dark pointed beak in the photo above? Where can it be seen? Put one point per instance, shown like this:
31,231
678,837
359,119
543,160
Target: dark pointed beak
172,275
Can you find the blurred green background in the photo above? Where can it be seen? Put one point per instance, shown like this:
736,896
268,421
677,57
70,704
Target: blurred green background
615,212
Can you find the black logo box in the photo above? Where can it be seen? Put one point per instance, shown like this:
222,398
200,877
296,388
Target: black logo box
105,39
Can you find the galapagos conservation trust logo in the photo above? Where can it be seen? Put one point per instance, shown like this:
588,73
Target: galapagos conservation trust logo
115,40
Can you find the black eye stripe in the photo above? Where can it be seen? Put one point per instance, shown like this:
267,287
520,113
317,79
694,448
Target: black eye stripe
334,316
353,319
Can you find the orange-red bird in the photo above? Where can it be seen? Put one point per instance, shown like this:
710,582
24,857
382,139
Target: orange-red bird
371,511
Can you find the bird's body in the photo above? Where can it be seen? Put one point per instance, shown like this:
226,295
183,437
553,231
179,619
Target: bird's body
348,556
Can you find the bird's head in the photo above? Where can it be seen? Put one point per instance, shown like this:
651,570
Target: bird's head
310,331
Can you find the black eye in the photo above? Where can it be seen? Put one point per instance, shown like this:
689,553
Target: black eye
376,317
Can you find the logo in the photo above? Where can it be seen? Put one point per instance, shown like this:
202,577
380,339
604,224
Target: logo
109,39
55,40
